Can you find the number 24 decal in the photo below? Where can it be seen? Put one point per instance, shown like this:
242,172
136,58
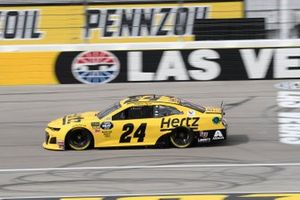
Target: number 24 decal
139,133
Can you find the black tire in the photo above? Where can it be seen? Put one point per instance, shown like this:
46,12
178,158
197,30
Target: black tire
79,139
182,137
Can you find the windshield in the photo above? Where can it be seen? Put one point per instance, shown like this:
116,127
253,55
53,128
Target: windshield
192,106
110,109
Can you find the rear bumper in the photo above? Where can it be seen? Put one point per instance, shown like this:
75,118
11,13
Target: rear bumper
212,135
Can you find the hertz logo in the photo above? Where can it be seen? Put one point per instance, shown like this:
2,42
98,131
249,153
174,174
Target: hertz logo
143,22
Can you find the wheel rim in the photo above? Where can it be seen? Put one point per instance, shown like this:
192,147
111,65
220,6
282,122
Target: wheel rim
181,139
79,140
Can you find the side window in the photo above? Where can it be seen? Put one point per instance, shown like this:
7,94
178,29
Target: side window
161,111
136,112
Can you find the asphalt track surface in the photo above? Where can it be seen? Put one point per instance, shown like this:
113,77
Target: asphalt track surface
253,159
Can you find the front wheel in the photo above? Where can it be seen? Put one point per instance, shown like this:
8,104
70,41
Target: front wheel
182,137
79,139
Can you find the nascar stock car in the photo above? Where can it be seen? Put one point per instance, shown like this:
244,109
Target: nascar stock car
142,120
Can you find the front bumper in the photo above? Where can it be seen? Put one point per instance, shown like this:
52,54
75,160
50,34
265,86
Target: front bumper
53,141
52,147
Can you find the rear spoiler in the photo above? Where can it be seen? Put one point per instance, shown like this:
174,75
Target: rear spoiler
222,108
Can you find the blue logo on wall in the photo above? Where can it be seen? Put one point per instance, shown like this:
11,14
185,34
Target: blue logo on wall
95,67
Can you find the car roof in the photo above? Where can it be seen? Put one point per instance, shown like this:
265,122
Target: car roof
150,98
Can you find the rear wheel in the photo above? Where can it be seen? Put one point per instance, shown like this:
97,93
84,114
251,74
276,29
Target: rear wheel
182,137
79,139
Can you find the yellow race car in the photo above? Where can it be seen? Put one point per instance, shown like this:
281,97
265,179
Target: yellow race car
142,120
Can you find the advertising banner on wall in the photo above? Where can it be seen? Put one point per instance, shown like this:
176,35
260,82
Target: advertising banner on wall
101,66
110,23
96,67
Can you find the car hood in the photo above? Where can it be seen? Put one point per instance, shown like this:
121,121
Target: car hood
77,118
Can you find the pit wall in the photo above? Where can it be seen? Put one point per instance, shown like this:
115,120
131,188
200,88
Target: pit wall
97,43
149,62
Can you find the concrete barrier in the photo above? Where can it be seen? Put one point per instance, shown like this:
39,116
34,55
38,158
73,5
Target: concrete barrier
150,62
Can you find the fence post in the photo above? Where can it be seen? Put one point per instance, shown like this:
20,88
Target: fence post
284,19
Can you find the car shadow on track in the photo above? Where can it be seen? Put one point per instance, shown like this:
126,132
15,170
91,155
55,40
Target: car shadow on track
232,140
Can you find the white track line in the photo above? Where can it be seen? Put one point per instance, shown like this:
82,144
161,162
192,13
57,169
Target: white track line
155,194
152,167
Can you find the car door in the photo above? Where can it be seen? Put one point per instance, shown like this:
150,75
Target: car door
135,126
